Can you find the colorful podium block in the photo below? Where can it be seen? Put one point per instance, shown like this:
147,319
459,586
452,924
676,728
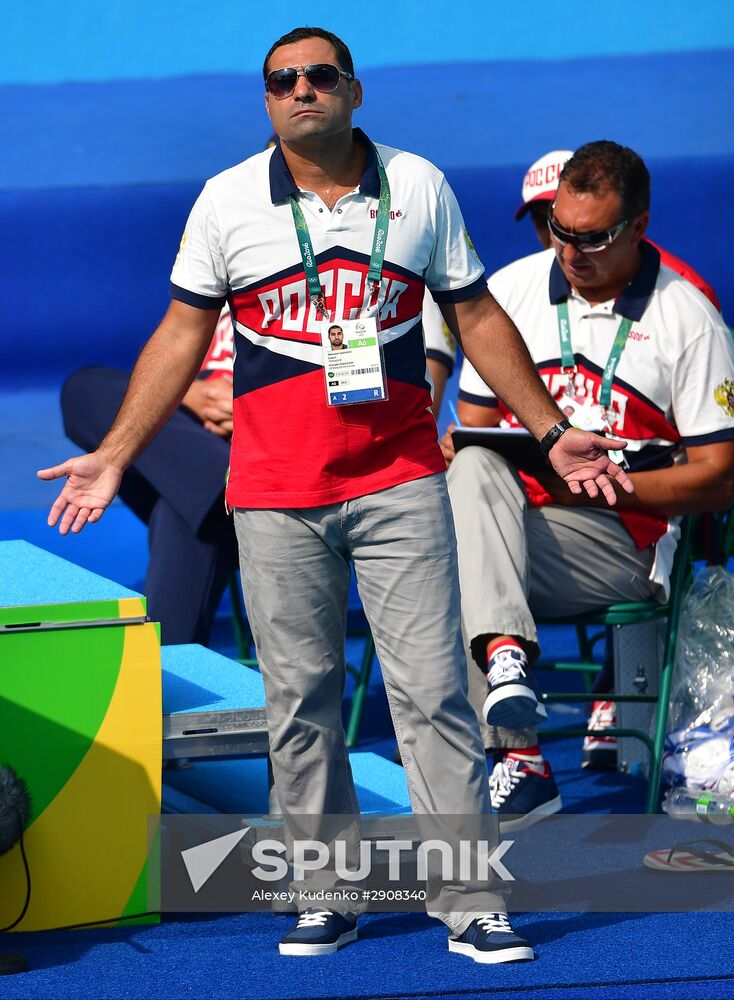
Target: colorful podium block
80,722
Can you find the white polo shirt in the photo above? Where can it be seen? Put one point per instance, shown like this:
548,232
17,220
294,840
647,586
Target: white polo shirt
673,387
240,246
438,341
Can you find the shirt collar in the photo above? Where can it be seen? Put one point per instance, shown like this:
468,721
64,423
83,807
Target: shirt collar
282,185
633,300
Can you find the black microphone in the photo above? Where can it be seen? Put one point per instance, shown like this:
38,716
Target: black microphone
15,808
15,811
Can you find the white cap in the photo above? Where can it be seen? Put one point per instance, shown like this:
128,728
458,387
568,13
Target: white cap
541,180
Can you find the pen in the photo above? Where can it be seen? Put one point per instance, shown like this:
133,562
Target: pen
454,414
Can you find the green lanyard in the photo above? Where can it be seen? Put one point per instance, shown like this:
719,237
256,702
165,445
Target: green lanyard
305,244
568,360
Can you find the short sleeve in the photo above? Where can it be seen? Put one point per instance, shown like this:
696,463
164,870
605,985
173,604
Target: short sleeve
703,388
455,273
199,275
440,344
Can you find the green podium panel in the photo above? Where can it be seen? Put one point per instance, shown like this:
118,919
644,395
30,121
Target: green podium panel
80,722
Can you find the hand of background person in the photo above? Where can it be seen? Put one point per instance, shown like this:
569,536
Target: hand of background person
447,445
91,486
581,459
211,401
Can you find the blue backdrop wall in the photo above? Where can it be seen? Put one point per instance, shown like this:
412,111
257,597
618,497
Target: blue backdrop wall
112,116
50,42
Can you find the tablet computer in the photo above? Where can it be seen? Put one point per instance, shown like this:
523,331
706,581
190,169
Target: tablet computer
514,443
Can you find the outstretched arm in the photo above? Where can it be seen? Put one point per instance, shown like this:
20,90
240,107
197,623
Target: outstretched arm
164,371
495,348
705,481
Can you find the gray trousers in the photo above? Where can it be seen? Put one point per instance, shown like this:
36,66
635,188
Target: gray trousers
517,561
295,568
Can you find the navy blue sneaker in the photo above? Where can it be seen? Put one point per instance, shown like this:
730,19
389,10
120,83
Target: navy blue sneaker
512,701
318,932
490,939
522,792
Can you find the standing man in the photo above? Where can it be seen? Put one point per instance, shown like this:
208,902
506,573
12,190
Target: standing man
628,346
329,228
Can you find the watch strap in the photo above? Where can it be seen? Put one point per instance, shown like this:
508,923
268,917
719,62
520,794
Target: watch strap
551,436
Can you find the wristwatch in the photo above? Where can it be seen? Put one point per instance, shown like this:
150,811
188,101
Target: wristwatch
549,439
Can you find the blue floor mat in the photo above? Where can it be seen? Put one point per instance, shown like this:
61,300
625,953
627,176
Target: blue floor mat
608,957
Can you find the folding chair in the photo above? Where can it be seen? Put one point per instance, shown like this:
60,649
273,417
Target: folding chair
633,613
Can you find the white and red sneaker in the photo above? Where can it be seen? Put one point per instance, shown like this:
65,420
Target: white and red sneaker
600,751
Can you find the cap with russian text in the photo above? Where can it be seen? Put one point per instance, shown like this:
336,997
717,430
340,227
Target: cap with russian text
541,179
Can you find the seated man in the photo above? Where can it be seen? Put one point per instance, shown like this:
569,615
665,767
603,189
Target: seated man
538,191
177,485
626,345
539,188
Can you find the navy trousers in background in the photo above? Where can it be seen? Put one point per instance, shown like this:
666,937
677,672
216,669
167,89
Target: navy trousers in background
177,488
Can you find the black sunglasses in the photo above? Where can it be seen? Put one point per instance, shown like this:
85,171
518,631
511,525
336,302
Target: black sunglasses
586,242
322,76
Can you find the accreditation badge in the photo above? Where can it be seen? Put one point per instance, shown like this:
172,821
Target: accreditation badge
583,412
586,415
354,368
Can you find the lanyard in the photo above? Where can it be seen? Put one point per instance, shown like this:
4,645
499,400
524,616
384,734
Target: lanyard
305,244
568,360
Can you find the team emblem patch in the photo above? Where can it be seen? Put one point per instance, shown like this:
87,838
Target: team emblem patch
181,246
724,396
469,243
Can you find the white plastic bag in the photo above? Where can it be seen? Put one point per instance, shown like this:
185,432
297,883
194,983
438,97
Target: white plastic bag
699,747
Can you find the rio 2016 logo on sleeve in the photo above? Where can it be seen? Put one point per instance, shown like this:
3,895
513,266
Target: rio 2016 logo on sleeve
181,246
724,396
469,243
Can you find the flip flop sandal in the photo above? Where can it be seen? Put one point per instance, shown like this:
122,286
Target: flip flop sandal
690,857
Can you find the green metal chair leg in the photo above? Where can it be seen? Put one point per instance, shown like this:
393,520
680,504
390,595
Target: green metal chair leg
666,679
360,691
242,634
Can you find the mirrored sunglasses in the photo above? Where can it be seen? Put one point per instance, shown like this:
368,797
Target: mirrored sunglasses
322,76
585,242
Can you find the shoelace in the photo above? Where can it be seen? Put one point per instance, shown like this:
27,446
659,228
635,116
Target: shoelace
491,922
504,668
502,780
313,918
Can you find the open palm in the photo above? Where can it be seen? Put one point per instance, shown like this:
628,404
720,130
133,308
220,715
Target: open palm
91,486
581,458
